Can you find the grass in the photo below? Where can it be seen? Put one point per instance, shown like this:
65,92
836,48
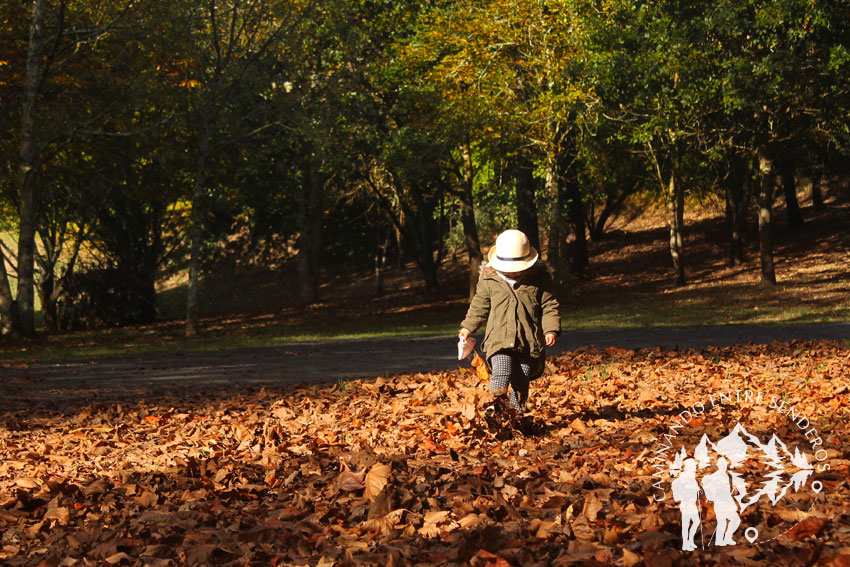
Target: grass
222,334
630,287
733,305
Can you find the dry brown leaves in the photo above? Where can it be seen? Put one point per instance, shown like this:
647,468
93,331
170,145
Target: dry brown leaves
404,471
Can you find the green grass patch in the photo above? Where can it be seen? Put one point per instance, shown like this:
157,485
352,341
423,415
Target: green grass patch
222,335
754,305
132,341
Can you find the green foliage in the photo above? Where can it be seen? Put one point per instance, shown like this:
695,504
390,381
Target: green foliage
380,99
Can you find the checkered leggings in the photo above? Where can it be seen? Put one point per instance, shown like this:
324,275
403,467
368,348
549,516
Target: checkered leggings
516,369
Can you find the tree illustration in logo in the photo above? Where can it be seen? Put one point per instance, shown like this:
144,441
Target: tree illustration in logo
733,474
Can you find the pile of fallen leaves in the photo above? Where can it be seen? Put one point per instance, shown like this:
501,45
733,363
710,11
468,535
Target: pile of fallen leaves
403,470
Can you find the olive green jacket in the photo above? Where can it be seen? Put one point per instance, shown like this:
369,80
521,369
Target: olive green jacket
517,319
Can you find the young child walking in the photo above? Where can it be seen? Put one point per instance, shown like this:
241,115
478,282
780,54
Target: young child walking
515,298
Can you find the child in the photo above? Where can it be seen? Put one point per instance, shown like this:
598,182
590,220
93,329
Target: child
515,297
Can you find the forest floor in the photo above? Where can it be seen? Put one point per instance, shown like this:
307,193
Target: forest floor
408,470
122,462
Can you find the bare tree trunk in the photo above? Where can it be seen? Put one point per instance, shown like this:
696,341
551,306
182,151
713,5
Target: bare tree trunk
7,303
765,204
26,185
674,196
526,205
467,217
817,193
737,199
675,219
52,287
789,187
567,233
49,312
195,233
310,216
423,241
576,241
381,262
612,205
46,288
558,218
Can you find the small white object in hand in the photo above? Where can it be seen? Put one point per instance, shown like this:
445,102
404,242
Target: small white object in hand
464,347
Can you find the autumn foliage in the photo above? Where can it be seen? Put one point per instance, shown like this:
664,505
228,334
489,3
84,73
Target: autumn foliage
404,470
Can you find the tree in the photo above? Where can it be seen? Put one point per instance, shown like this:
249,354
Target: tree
62,39
736,178
334,91
516,69
226,40
33,76
778,63
652,80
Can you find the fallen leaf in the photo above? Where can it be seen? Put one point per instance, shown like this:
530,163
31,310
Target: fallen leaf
578,425
385,524
60,514
480,366
486,559
809,527
119,558
349,481
26,482
592,506
376,480
630,558
582,529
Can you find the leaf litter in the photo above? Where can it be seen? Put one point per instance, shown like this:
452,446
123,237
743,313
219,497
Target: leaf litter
403,470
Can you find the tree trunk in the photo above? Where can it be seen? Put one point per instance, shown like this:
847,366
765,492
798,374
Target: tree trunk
310,217
767,178
46,295
46,288
7,303
26,170
567,239
675,196
422,240
558,218
612,205
526,205
153,254
789,187
467,217
195,233
737,199
817,191
381,261
576,241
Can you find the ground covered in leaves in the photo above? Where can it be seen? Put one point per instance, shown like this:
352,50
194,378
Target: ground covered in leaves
405,471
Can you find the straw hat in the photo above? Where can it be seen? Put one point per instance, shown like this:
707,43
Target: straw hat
512,252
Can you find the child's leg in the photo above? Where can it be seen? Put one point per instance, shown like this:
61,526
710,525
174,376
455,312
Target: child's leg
516,370
502,365
529,369
519,392
508,369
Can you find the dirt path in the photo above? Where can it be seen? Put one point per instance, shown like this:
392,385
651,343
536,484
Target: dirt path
331,361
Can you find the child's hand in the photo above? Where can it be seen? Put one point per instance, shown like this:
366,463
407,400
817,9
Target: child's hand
550,339
463,334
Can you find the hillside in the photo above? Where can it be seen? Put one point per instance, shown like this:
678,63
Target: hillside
630,283
630,286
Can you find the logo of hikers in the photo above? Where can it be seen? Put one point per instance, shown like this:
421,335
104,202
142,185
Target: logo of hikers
731,485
